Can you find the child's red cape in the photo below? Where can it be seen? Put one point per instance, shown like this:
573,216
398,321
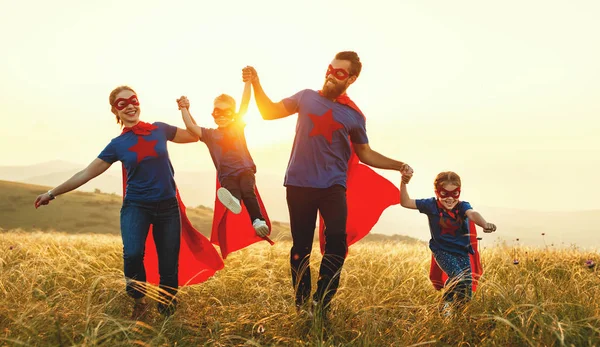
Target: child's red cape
198,258
438,277
232,232
368,194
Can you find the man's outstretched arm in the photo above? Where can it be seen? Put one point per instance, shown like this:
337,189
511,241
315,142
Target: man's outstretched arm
377,160
269,110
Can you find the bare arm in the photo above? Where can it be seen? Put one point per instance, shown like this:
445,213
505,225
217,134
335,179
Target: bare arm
190,124
193,129
478,219
192,118
405,200
268,109
95,168
374,159
245,100
185,136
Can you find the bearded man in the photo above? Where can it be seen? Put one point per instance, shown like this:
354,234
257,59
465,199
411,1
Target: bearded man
317,176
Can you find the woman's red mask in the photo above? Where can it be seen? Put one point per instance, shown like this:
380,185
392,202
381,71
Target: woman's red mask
443,193
121,103
339,74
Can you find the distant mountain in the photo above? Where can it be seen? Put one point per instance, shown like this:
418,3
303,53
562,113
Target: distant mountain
82,212
87,212
562,229
196,188
22,173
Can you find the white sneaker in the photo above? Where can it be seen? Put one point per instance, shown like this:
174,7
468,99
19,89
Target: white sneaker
229,201
447,311
261,227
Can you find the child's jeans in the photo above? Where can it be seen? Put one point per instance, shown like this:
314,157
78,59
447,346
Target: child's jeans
242,187
458,268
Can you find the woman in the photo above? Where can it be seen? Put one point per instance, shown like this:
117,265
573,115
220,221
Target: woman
150,198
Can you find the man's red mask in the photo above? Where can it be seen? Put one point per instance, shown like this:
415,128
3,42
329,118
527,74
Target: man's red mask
121,103
443,193
339,74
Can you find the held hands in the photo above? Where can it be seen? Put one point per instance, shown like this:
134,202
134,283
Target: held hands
407,173
249,74
183,102
489,228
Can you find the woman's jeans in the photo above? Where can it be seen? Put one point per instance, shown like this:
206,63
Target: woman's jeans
136,218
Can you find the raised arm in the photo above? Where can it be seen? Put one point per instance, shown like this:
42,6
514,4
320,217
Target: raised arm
268,109
245,100
95,168
188,120
405,200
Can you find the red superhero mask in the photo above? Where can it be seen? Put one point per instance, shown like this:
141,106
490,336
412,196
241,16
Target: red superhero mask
443,193
121,103
219,112
339,74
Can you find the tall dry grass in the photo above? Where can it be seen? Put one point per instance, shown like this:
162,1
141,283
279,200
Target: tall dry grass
64,290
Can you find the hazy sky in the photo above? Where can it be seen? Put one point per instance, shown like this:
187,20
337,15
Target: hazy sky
506,93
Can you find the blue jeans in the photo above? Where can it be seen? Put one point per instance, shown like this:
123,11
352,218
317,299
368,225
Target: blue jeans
136,218
458,268
303,204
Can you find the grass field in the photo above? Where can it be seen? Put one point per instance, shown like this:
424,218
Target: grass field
68,289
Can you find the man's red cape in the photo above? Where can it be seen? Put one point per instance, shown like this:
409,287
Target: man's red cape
232,232
438,277
368,194
198,258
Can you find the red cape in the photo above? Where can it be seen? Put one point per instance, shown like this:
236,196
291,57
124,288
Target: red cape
438,277
232,232
368,195
198,258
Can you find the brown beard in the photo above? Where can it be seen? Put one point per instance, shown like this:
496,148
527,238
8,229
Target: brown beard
334,92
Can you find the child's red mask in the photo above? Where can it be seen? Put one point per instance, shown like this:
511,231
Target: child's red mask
121,103
443,193
219,112
339,74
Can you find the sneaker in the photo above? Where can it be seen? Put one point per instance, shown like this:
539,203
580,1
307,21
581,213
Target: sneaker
447,311
229,201
261,227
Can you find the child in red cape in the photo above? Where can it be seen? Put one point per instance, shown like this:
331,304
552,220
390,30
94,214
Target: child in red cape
453,238
236,181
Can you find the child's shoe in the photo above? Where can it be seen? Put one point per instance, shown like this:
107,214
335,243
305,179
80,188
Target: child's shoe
229,201
447,310
261,227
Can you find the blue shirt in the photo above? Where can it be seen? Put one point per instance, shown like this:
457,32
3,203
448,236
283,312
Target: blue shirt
146,159
321,148
449,229
228,149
